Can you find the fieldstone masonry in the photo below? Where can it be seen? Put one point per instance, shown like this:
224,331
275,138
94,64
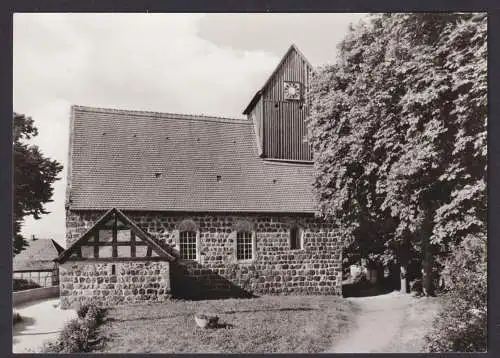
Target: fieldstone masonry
276,269
128,282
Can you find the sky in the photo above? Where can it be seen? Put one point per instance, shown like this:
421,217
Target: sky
208,64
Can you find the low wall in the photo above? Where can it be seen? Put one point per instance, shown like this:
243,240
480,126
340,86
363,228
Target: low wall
109,284
34,294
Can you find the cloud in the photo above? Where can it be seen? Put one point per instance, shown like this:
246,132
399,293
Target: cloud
184,63
316,34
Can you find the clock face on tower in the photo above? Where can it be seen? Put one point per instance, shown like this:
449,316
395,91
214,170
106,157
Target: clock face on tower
292,90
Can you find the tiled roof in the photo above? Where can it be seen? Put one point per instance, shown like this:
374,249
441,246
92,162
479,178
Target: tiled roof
39,255
135,160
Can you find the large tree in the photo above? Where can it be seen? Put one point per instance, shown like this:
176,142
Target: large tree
34,175
444,144
398,130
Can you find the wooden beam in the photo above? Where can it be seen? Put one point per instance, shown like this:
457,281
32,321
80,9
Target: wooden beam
132,243
96,244
149,252
66,253
144,236
118,243
119,259
115,237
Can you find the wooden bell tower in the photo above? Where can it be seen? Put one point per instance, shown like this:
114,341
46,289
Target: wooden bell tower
280,108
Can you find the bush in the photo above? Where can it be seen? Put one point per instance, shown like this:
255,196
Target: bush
16,317
52,346
360,278
75,336
20,284
82,310
95,315
80,334
462,324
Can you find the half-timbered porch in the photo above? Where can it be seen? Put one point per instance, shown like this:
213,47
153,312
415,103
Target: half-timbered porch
115,261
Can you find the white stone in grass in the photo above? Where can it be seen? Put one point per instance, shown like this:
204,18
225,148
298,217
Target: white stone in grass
205,321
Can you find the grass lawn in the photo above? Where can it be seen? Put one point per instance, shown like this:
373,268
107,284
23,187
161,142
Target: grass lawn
269,324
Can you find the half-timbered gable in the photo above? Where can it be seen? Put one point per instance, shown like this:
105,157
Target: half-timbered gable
114,237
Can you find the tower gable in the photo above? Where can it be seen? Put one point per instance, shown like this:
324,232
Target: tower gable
279,110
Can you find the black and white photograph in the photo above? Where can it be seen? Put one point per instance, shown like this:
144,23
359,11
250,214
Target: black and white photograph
249,182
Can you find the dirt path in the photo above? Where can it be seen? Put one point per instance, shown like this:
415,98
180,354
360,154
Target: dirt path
42,320
392,322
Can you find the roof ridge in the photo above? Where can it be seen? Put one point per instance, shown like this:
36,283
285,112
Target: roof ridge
198,117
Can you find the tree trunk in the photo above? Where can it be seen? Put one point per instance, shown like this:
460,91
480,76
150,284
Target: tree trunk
427,258
404,257
404,284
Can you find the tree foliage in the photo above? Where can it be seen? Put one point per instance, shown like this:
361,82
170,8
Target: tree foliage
462,325
393,125
34,175
398,131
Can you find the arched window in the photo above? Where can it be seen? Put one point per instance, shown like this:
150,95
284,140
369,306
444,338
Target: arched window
188,240
295,237
245,240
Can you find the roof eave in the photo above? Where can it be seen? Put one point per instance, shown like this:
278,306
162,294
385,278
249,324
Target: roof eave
215,211
252,103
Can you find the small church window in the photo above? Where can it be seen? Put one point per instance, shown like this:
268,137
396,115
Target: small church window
187,245
295,238
244,247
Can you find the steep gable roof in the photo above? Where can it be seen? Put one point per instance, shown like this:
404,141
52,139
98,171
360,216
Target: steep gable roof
39,255
135,160
257,95
110,214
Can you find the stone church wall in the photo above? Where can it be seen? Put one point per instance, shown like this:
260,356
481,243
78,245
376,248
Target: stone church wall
315,269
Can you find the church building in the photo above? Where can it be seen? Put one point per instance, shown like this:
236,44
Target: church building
164,205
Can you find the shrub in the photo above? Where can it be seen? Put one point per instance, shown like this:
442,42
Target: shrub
360,277
16,317
20,284
95,315
462,324
52,346
74,337
80,334
82,310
